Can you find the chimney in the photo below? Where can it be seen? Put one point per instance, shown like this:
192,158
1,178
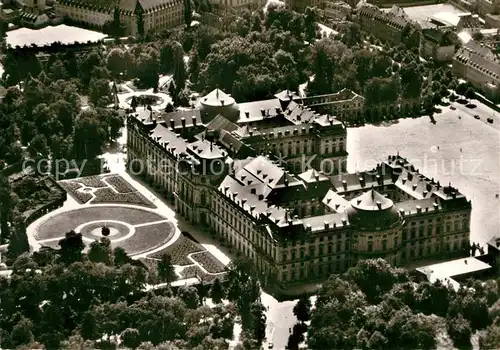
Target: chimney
261,197
183,122
252,207
278,110
286,182
402,212
290,222
172,124
454,194
222,102
235,194
436,206
344,221
263,112
193,118
308,228
253,191
438,185
327,225
344,183
247,114
419,209
362,181
243,201
379,205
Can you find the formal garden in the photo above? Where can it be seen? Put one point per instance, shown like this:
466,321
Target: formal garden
190,257
104,189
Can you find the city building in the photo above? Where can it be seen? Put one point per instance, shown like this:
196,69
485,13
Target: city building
156,15
297,223
437,44
479,65
391,26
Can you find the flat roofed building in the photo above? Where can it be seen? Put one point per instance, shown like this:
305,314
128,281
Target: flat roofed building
455,271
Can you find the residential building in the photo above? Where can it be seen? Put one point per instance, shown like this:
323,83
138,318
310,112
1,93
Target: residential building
298,227
391,26
156,15
479,65
436,44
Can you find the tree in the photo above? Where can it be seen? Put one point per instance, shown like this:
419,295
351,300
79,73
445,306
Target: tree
120,257
89,135
189,295
477,36
22,333
38,145
100,251
6,206
375,277
179,67
71,247
302,309
459,331
470,93
18,243
166,271
188,13
490,338
100,92
147,70
258,325
115,62
140,23
131,338
461,88
217,291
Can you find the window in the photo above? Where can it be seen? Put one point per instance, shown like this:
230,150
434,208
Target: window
384,244
284,276
370,247
338,247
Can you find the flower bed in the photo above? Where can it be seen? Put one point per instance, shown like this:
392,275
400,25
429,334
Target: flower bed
192,272
72,188
91,181
120,184
180,249
209,262
107,195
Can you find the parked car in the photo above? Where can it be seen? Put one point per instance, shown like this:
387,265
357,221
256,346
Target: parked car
490,120
453,108
477,116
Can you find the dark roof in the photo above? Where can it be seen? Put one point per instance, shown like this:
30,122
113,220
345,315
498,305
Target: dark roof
221,123
177,116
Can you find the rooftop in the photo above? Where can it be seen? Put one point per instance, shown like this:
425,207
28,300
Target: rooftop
447,270
64,34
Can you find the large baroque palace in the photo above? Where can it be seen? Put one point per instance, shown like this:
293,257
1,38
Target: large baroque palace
269,178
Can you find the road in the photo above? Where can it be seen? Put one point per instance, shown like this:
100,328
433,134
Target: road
484,112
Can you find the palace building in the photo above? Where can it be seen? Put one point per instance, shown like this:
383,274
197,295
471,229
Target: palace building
235,170
156,15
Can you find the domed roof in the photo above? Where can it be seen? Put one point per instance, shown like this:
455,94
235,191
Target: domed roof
218,102
371,211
